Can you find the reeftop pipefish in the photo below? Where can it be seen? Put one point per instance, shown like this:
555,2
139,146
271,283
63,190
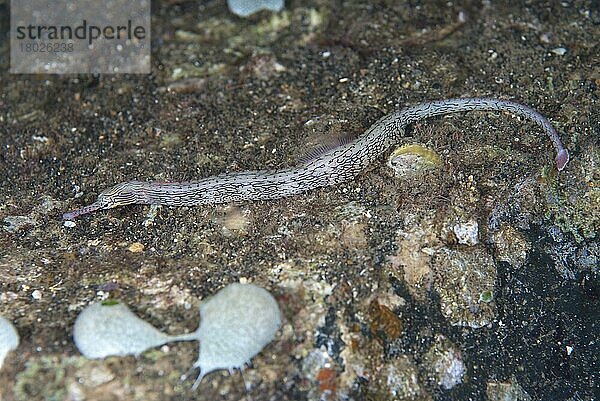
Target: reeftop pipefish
332,167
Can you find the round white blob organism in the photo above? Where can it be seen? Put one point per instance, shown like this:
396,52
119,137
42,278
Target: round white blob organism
9,338
110,328
235,325
244,8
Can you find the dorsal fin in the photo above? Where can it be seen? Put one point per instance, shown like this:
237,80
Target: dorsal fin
322,148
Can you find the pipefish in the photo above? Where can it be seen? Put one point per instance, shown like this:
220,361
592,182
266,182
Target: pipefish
329,168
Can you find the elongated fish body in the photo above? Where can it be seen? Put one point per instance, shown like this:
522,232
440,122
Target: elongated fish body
330,168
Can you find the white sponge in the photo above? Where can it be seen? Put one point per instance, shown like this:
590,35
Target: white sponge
9,338
110,328
235,325
244,8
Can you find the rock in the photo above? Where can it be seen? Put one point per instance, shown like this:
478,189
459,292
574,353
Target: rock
511,246
465,281
443,363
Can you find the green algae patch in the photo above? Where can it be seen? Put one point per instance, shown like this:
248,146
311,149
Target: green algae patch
486,296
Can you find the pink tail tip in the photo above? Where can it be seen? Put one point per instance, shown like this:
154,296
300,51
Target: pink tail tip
562,158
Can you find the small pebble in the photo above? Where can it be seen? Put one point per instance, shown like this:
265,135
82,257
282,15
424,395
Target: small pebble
136,247
467,233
